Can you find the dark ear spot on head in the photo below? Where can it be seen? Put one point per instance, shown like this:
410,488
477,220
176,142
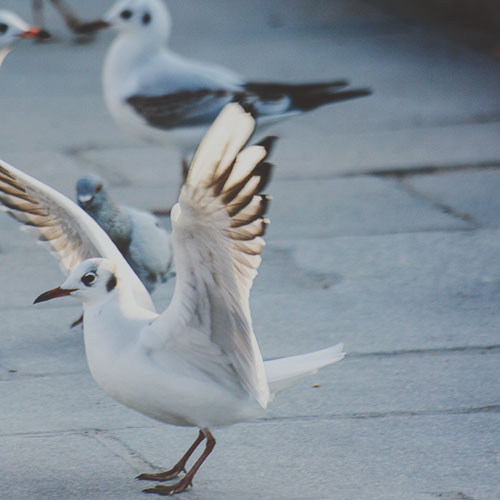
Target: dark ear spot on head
3,28
146,18
111,283
98,188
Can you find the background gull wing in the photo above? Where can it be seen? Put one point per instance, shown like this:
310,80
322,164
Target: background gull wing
188,108
62,226
176,92
218,225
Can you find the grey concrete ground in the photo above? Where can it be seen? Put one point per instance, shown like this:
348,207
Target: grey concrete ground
385,235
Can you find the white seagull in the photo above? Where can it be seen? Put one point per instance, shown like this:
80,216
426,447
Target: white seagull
197,363
13,29
159,96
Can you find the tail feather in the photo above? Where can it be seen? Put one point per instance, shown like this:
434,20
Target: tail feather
304,97
285,372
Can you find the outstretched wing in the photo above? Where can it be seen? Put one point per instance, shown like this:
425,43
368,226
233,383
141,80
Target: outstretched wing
218,225
62,226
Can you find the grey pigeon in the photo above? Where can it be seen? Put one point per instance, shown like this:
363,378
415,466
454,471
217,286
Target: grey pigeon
136,233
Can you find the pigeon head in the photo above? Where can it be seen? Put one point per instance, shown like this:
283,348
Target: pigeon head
146,18
93,279
13,29
90,192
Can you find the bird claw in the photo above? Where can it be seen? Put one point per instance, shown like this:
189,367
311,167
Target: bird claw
162,476
168,490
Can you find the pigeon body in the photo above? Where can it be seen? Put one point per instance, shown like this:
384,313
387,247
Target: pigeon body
136,233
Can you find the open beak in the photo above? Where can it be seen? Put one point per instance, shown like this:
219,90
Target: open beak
35,33
53,294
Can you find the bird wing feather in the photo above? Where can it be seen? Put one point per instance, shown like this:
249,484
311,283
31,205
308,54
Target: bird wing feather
69,233
176,92
218,225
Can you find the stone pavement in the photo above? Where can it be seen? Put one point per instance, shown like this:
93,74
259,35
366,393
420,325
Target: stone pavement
385,235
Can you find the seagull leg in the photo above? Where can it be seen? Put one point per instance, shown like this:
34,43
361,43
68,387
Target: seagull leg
37,13
187,480
77,322
179,467
160,212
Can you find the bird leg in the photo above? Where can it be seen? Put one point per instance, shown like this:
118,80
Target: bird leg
37,13
77,322
187,480
179,467
161,212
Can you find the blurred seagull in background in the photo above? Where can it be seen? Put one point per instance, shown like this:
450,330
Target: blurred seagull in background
162,97
73,22
136,233
198,363
13,29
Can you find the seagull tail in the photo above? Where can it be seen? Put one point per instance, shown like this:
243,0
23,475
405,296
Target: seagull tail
285,372
307,96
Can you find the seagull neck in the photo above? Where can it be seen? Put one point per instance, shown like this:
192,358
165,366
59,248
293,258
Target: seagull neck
113,316
129,50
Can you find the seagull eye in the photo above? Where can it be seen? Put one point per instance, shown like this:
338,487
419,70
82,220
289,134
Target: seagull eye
89,278
126,14
146,18
3,28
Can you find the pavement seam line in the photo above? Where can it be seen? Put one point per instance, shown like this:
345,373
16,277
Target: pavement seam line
443,207
118,448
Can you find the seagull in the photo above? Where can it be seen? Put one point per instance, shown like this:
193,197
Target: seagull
197,363
13,29
162,97
136,233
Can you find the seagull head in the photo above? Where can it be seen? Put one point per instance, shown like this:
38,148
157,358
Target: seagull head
91,280
90,192
148,19
13,29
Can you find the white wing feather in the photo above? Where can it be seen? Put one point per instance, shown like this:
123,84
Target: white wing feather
62,226
216,237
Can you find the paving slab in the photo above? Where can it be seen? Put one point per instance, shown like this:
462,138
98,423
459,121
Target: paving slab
347,207
473,193
65,471
419,457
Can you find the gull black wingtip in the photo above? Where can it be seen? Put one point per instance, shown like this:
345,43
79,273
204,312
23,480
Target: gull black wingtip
53,294
268,143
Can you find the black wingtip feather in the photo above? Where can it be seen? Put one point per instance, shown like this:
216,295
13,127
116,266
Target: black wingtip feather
268,143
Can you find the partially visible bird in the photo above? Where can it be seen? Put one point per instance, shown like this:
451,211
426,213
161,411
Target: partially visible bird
73,22
162,97
136,233
13,29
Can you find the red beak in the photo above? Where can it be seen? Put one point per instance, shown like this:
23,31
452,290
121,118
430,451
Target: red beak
53,294
35,33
